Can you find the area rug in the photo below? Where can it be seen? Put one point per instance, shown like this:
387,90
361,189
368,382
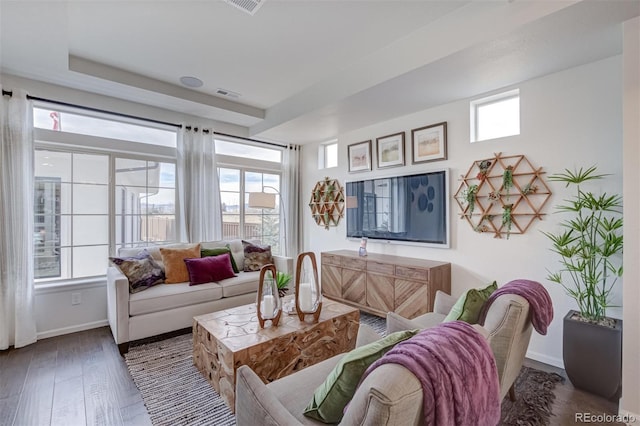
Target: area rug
175,393
534,399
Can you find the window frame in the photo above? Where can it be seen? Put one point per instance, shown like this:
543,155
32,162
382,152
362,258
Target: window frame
323,156
247,165
475,104
76,143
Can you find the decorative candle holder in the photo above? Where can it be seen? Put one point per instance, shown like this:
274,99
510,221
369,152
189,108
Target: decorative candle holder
268,303
308,295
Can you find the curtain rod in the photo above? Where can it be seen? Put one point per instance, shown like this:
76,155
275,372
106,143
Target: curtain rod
119,114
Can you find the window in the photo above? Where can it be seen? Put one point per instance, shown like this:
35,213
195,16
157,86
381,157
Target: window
239,175
495,116
106,127
145,198
253,152
328,155
90,200
71,232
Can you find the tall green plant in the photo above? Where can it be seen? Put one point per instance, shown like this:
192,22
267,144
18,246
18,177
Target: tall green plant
589,245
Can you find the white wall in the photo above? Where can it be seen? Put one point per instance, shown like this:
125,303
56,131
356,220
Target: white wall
630,402
571,118
55,313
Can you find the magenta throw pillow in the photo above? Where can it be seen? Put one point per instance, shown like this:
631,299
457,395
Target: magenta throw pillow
207,269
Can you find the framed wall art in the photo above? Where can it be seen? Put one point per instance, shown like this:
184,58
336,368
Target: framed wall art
359,156
429,143
390,150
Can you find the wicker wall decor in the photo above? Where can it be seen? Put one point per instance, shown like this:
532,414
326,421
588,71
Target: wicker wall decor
502,195
327,202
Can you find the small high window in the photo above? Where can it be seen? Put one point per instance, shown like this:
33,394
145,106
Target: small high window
328,155
495,116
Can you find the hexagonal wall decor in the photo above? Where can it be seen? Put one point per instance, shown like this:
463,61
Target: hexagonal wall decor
502,195
327,202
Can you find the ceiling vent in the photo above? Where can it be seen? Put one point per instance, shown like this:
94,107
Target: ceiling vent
228,93
249,6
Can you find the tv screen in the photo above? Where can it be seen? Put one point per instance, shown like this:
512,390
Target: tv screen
412,208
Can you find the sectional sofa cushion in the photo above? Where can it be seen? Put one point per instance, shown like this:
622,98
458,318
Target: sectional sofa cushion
208,269
141,271
174,267
244,282
164,297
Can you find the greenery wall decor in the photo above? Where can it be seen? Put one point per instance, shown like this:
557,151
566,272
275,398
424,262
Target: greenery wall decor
502,195
327,202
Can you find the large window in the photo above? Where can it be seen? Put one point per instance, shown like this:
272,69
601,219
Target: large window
240,176
91,197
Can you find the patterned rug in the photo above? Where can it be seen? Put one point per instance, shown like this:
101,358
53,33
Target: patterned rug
175,393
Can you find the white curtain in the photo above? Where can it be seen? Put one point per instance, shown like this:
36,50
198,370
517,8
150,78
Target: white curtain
17,310
290,199
199,190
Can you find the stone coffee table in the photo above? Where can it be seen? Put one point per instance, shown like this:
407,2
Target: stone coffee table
225,340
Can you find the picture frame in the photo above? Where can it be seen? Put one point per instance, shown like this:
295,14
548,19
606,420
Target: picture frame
429,143
390,150
359,156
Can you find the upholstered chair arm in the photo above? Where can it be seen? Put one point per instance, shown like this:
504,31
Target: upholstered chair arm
443,302
118,304
366,335
256,404
509,325
396,322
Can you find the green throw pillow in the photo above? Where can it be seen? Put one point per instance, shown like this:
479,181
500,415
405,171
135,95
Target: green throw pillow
469,305
205,252
330,398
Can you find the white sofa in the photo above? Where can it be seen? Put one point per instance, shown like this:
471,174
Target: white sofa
169,307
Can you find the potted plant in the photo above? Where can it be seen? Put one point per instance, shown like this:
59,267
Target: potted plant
590,248
282,281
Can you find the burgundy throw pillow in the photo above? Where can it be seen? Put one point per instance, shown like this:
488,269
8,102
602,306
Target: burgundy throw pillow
207,269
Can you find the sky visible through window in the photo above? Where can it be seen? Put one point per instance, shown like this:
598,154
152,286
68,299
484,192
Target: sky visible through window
93,126
236,149
498,119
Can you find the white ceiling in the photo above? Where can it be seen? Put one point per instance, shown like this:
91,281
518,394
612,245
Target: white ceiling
307,70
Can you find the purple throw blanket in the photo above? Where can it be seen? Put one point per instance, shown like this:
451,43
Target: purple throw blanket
537,296
457,371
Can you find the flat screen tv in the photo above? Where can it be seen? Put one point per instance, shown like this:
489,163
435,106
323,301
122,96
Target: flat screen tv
403,209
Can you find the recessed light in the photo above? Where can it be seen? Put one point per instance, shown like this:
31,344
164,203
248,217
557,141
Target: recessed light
190,81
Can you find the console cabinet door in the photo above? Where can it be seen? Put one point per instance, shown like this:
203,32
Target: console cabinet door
411,298
353,286
380,292
331,281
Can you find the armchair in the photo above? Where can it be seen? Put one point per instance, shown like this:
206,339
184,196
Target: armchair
508,323
390,395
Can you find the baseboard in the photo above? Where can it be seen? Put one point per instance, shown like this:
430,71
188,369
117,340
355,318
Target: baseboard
72,329
546,359
628,417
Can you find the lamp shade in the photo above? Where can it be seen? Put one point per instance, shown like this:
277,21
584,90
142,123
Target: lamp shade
262,200
352,202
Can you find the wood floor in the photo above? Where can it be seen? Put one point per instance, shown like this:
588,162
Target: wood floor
81,379
76,379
